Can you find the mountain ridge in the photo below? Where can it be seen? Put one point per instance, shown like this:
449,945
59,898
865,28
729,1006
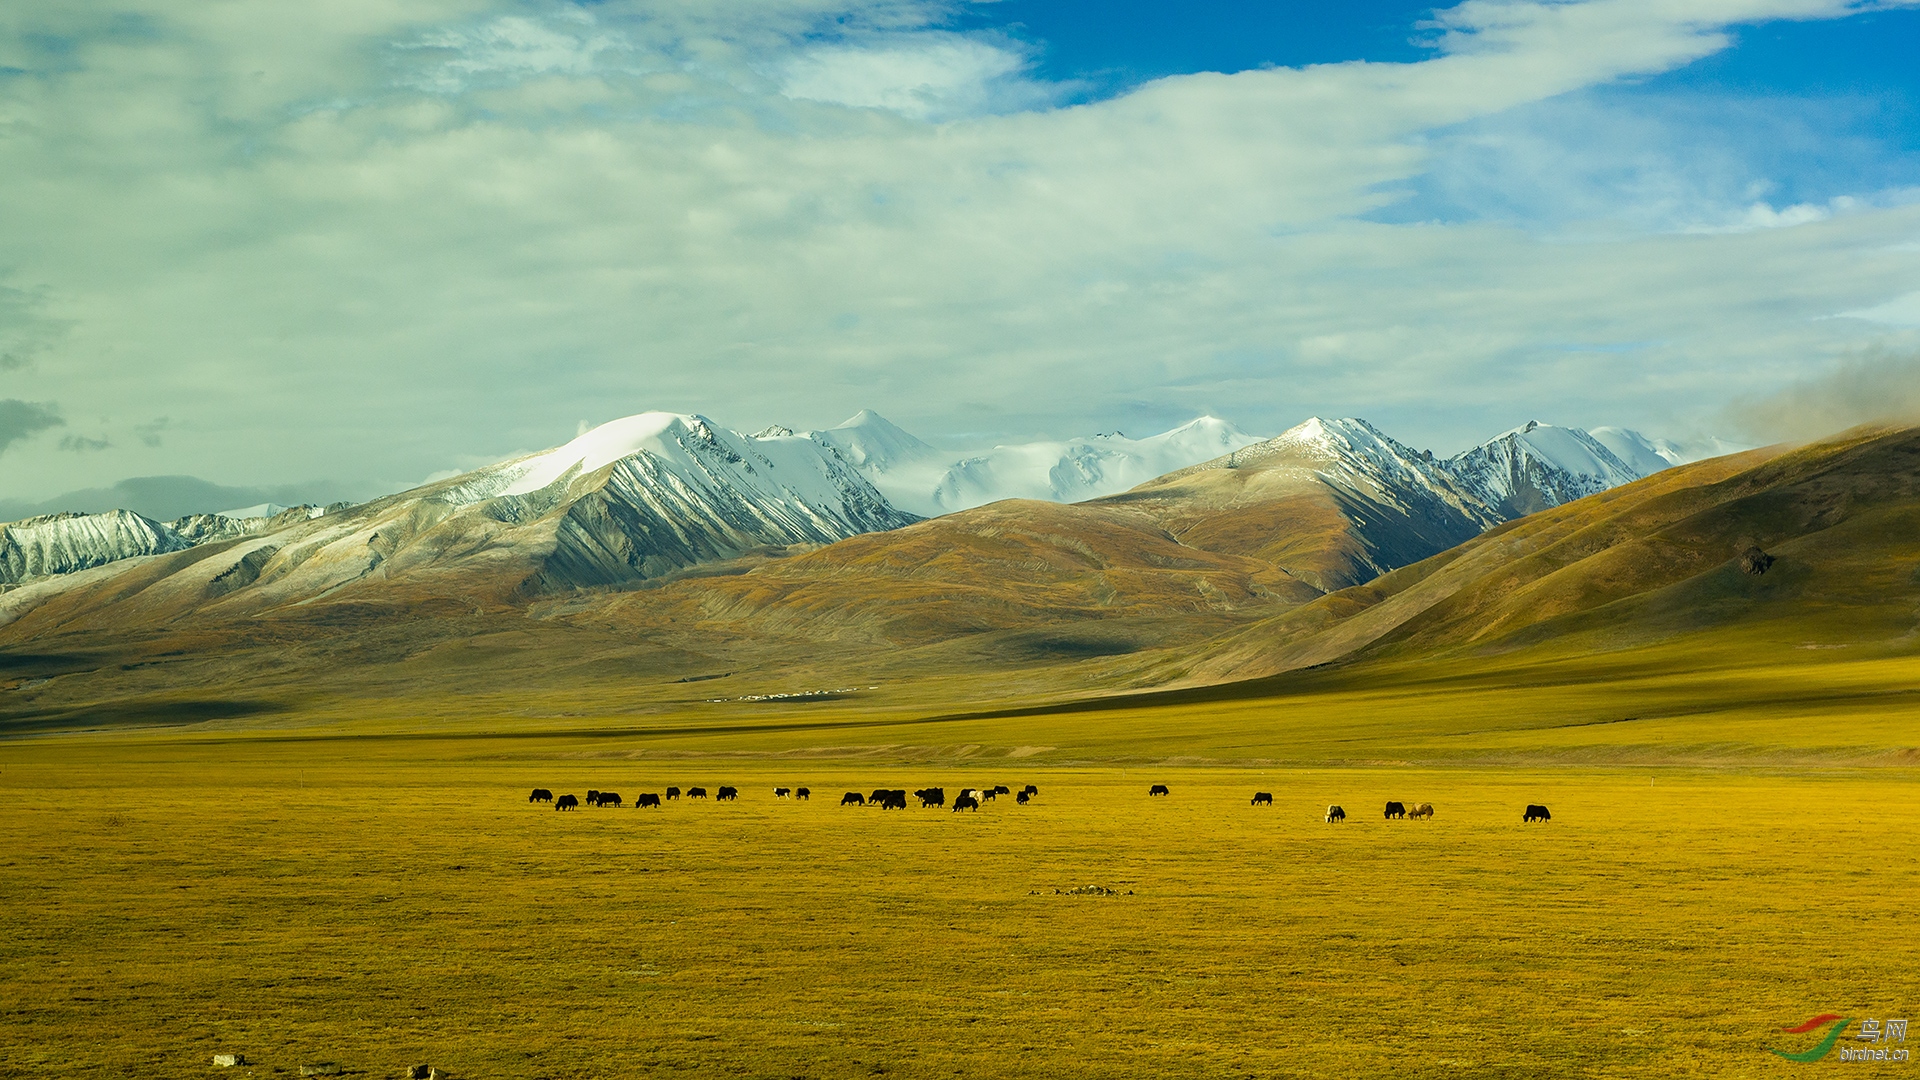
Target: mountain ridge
688,478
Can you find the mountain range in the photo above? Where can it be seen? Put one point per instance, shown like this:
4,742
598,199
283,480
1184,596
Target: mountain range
663,550
683,491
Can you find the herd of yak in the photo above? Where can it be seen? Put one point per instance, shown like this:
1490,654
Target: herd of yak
968,799
884,798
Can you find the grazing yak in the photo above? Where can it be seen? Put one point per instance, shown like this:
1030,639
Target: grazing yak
647,798
1262,798
965,802
673,793
1536,813
1157,789
696,793
726,794
608,798
540,794
802,793
1022,798
1420,810
853,798
1335,814
931,796
593,798
895,799
1030,790
1002,789
1396,810
879,796
566,802
781,793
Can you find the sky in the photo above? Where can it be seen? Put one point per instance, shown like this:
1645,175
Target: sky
337,248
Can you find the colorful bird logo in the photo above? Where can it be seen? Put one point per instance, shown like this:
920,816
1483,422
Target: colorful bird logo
1825,1045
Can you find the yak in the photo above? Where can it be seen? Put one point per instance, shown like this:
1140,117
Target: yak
647,798
853,798
566,802
801,793
1157,789
1262,798
1335,814
540,794
1536,813
965,802
1396,810
726,794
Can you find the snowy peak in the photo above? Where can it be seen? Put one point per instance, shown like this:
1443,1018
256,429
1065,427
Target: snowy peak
928,481
1649,456
656,432
1637,452
871,441
1537,466
1353,454
649,494
65,543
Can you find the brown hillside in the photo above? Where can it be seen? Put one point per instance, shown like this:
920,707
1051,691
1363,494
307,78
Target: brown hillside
1647,561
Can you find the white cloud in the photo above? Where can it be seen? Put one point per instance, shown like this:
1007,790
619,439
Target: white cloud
1900,311
729,209
927,77
515,47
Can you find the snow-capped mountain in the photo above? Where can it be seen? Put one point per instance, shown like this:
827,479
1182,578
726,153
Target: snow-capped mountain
927,481
643,495
1354,454
1533,467
56,544
649,494
1331,503
1648,456
64,543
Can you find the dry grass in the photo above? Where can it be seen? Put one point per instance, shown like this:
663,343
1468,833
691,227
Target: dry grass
376,902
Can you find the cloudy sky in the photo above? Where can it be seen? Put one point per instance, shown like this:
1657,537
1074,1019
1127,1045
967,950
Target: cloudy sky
350,244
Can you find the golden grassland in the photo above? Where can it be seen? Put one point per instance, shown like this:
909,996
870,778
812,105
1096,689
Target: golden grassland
365,885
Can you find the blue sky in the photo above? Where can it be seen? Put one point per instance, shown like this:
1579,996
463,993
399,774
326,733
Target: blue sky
1117,45
265,244
1811,109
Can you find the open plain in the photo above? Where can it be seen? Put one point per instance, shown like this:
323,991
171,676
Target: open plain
368,894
